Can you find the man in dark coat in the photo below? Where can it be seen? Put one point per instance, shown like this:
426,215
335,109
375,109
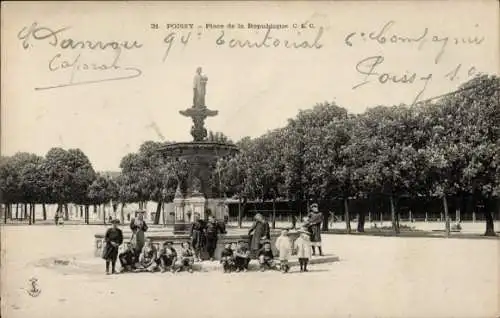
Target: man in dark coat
113,239
314,224
213,229
197,234
258,232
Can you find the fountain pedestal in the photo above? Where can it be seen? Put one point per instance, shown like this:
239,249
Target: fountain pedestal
180,215
185,210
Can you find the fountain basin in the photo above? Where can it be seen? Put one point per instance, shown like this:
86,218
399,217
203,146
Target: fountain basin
187,150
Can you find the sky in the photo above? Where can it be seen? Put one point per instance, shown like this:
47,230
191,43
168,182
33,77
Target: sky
254,89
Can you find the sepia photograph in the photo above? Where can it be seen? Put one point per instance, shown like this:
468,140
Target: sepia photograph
278,159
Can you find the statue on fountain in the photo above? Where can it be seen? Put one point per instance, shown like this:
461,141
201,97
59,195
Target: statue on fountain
199,89
199,111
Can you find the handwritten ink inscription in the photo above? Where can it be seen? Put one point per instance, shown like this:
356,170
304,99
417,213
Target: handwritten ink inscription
89,61
375,69
79,70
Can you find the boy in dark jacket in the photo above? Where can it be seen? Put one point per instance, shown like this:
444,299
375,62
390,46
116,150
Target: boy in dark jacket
113,239
127,258
167,257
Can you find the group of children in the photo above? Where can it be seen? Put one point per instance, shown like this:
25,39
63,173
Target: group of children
237,256
151,259
234,256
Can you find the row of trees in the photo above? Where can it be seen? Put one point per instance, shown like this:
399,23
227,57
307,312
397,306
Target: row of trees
448,149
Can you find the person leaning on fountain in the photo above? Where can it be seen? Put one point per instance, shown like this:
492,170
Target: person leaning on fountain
197,234
259,232
113,239
138,227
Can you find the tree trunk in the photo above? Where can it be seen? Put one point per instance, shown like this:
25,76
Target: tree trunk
104,215
489,207
44,208
25,211
361,220
490,230
458,208
81,211
66,212
17,211
122,212
347,216
158,212
446,216
28,214
33,213
86,214
326,215
5,213
274,214
395,224
239,213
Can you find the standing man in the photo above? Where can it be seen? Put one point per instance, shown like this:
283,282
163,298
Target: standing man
259,232
314,223
138,227
113,239
197,234
213,229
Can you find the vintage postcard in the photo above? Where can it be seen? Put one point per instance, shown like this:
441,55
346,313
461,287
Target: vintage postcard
250,159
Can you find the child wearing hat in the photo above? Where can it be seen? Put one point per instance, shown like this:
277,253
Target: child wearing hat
167,256
266,257
303,247
284,246
112,241
314,227
226,258
242,256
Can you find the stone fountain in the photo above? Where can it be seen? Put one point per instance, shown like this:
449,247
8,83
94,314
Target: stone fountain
200,155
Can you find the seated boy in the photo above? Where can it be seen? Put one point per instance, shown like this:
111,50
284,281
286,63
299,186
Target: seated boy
226,258
127,258
266,257
242,256
148,257
187,258
167,257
